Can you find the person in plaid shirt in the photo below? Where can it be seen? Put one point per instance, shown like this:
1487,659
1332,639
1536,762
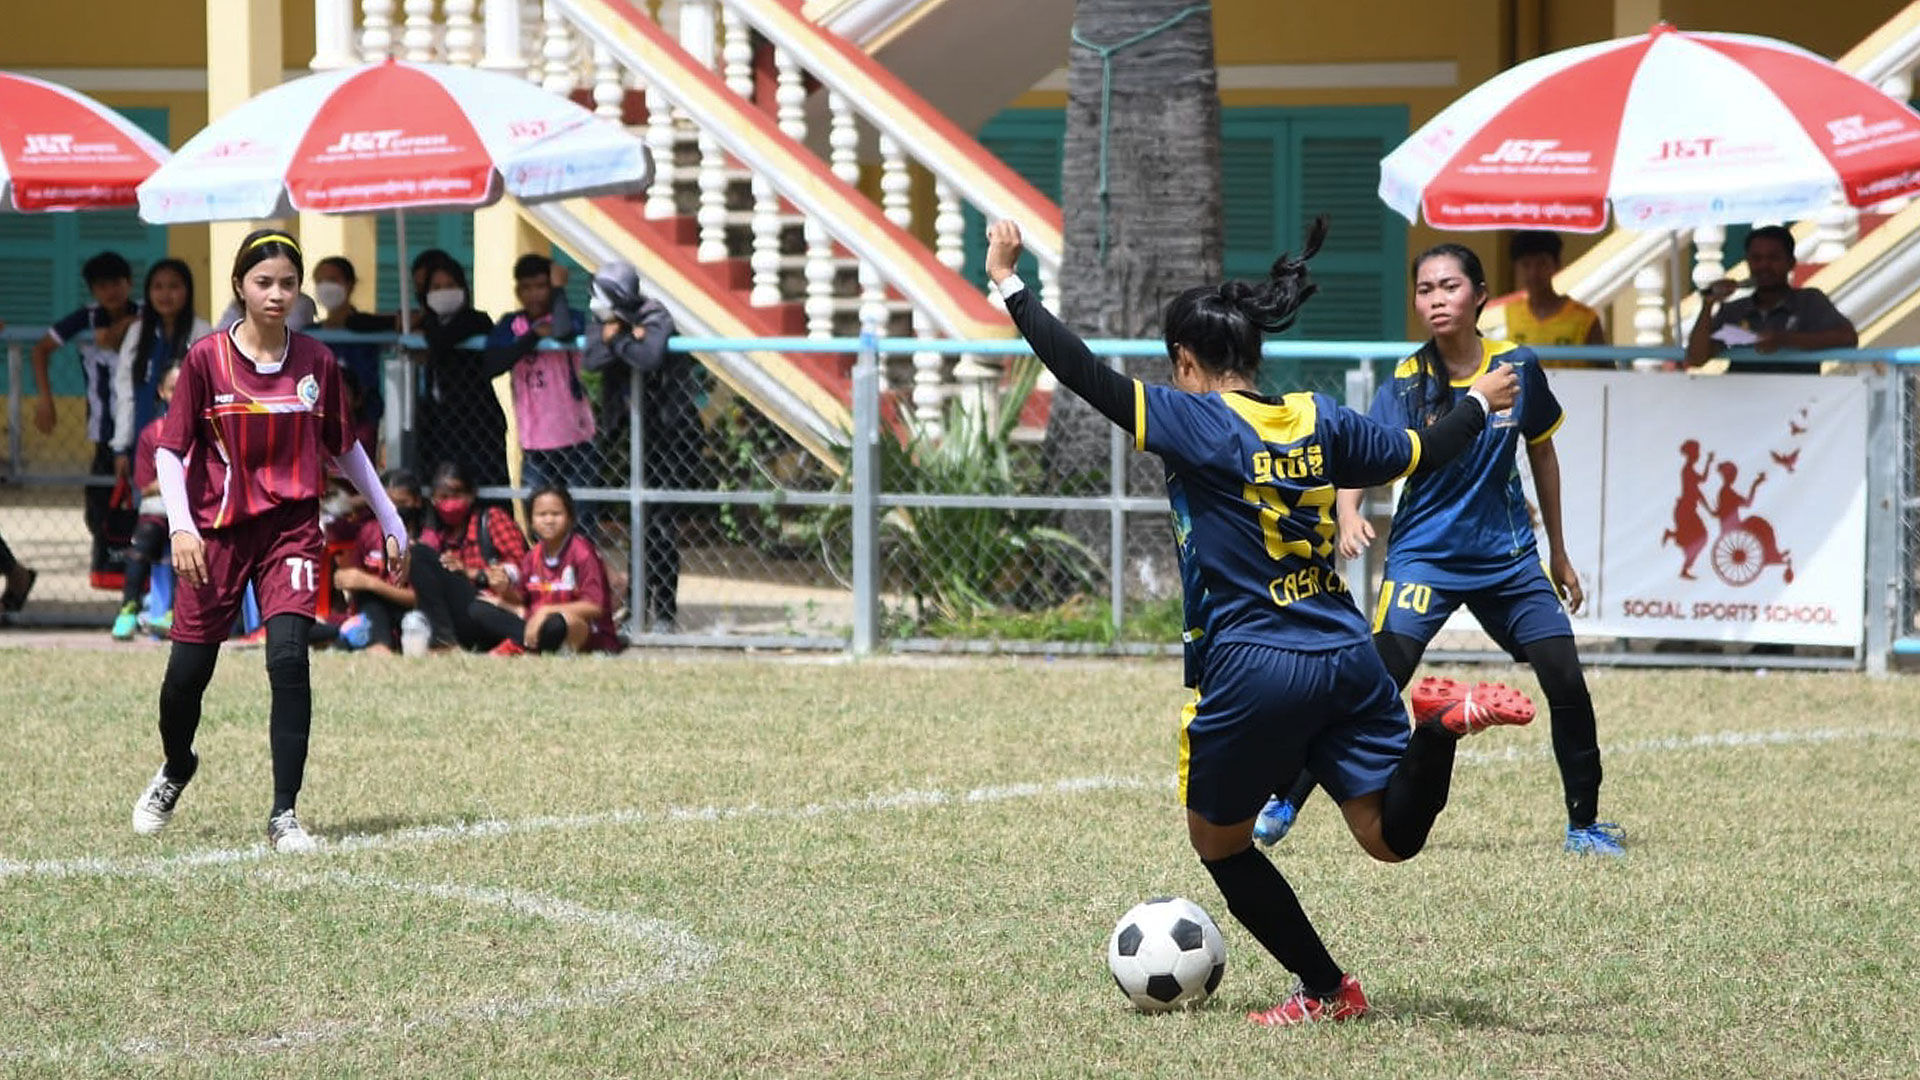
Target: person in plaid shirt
454,555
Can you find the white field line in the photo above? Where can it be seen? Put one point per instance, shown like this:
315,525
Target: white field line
665,954
432,835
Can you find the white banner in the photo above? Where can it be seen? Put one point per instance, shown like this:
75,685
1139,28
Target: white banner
1718,508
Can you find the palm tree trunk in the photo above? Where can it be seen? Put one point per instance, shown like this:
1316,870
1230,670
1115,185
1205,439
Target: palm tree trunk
1160,230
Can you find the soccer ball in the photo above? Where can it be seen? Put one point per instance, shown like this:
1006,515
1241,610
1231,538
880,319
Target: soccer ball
1166,954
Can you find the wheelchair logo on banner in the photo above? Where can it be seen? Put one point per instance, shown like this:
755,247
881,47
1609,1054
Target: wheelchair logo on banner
1739,545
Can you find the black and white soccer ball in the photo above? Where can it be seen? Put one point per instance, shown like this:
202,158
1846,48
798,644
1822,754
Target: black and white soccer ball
1166,953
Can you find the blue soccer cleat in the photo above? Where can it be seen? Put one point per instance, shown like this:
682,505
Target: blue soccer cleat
1599,838
1275,819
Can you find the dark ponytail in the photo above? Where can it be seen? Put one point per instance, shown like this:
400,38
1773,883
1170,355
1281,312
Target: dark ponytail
153,326
1432,388
1224,325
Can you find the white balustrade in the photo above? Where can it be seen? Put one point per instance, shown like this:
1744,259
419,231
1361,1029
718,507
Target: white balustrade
789,96
1709,255
416,41
843,136
766,243
661,139
333,36
928,390
874,314
1650,305
1835,228
558,74
736,53
896,185
609,84
503,29
949,227
1899,87
459,38
820,272
376,30
533,18
713,200
696,30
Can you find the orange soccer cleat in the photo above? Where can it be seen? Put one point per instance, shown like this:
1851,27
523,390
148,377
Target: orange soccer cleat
1465,710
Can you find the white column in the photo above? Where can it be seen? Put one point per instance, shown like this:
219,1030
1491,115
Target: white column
533,21
417,41
843,135
713,199
609,92
927,389
766,243
505,47
332,35
1835,228
376,30
696,30
1650,304
896,186
660,143
737,52
949,225
789,96
556,49
819,280
873,299
1709,255
459,38
1899,87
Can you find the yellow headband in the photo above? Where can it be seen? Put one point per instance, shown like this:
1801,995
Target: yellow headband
272,238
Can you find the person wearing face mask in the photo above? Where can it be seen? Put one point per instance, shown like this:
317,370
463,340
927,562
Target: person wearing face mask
333,283
459,417
460,544
629,348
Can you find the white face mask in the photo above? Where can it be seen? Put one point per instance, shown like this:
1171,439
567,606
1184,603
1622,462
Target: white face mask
330,294
599,305
446,301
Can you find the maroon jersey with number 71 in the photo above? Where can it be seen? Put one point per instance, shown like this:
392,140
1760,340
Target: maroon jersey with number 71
255,440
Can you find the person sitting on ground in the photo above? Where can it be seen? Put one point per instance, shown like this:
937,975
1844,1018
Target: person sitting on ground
455,557
150,533
378,603
557,596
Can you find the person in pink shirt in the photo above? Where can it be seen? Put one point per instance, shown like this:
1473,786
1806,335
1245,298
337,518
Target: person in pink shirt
551,407
558,594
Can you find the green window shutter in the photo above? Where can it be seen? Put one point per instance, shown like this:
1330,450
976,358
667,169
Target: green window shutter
1362,268
1031,142
450,231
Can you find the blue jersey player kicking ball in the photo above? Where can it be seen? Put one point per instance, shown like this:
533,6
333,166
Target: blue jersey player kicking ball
1283,674
1463,535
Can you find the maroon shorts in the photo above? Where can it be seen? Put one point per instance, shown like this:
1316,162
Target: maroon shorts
278,553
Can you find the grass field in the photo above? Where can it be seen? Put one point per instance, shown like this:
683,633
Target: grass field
749,866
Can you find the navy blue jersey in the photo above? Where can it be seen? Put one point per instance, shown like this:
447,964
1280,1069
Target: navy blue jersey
96,361
1469,516
1252,483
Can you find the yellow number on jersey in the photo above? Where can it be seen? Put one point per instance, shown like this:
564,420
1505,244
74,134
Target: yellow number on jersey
1273,508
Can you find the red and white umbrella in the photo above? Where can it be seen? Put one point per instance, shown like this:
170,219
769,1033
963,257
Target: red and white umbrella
1676,130
62,150
392,136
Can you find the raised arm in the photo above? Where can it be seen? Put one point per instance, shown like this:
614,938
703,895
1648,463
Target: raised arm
1114,395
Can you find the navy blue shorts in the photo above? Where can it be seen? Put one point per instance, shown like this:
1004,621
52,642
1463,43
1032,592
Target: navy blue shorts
1263,714
1516,608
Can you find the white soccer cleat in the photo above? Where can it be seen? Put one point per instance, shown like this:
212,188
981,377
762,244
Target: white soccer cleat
154,809
285,835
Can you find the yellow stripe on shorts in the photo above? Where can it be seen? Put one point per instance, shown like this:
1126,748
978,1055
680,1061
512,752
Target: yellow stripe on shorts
1380,607
1187,713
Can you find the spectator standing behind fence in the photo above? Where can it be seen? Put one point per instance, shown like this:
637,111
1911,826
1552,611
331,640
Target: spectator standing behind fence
149,350
550,404
150,531
629,346
333,282
457,550
378,602
1543,315
110,281
557,595
1777,316
460,418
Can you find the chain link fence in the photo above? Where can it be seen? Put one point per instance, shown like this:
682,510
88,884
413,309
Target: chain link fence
954,534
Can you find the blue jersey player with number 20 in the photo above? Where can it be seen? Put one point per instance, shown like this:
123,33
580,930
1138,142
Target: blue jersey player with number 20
1284,675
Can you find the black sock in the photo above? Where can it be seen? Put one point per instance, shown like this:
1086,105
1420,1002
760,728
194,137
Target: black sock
1417,790
1576,743
553,634
189,670
1259,896
291,714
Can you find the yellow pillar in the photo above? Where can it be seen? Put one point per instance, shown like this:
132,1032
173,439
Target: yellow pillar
501,234
1632,17
243,60
350,235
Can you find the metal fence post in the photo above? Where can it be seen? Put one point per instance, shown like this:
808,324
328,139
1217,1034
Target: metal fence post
1885,466
1359,398
638,613
1117,516
16,463
396,376
866,440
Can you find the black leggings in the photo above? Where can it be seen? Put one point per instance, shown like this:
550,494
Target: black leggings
148,537
290,719
1576,741
451,602
6,558
503,625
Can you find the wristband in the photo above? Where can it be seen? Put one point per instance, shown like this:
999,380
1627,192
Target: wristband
1009,285
1486,407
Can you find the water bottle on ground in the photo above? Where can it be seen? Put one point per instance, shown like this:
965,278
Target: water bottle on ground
416,634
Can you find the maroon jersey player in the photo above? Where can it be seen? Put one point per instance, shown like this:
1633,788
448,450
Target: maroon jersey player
257,413
557,594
